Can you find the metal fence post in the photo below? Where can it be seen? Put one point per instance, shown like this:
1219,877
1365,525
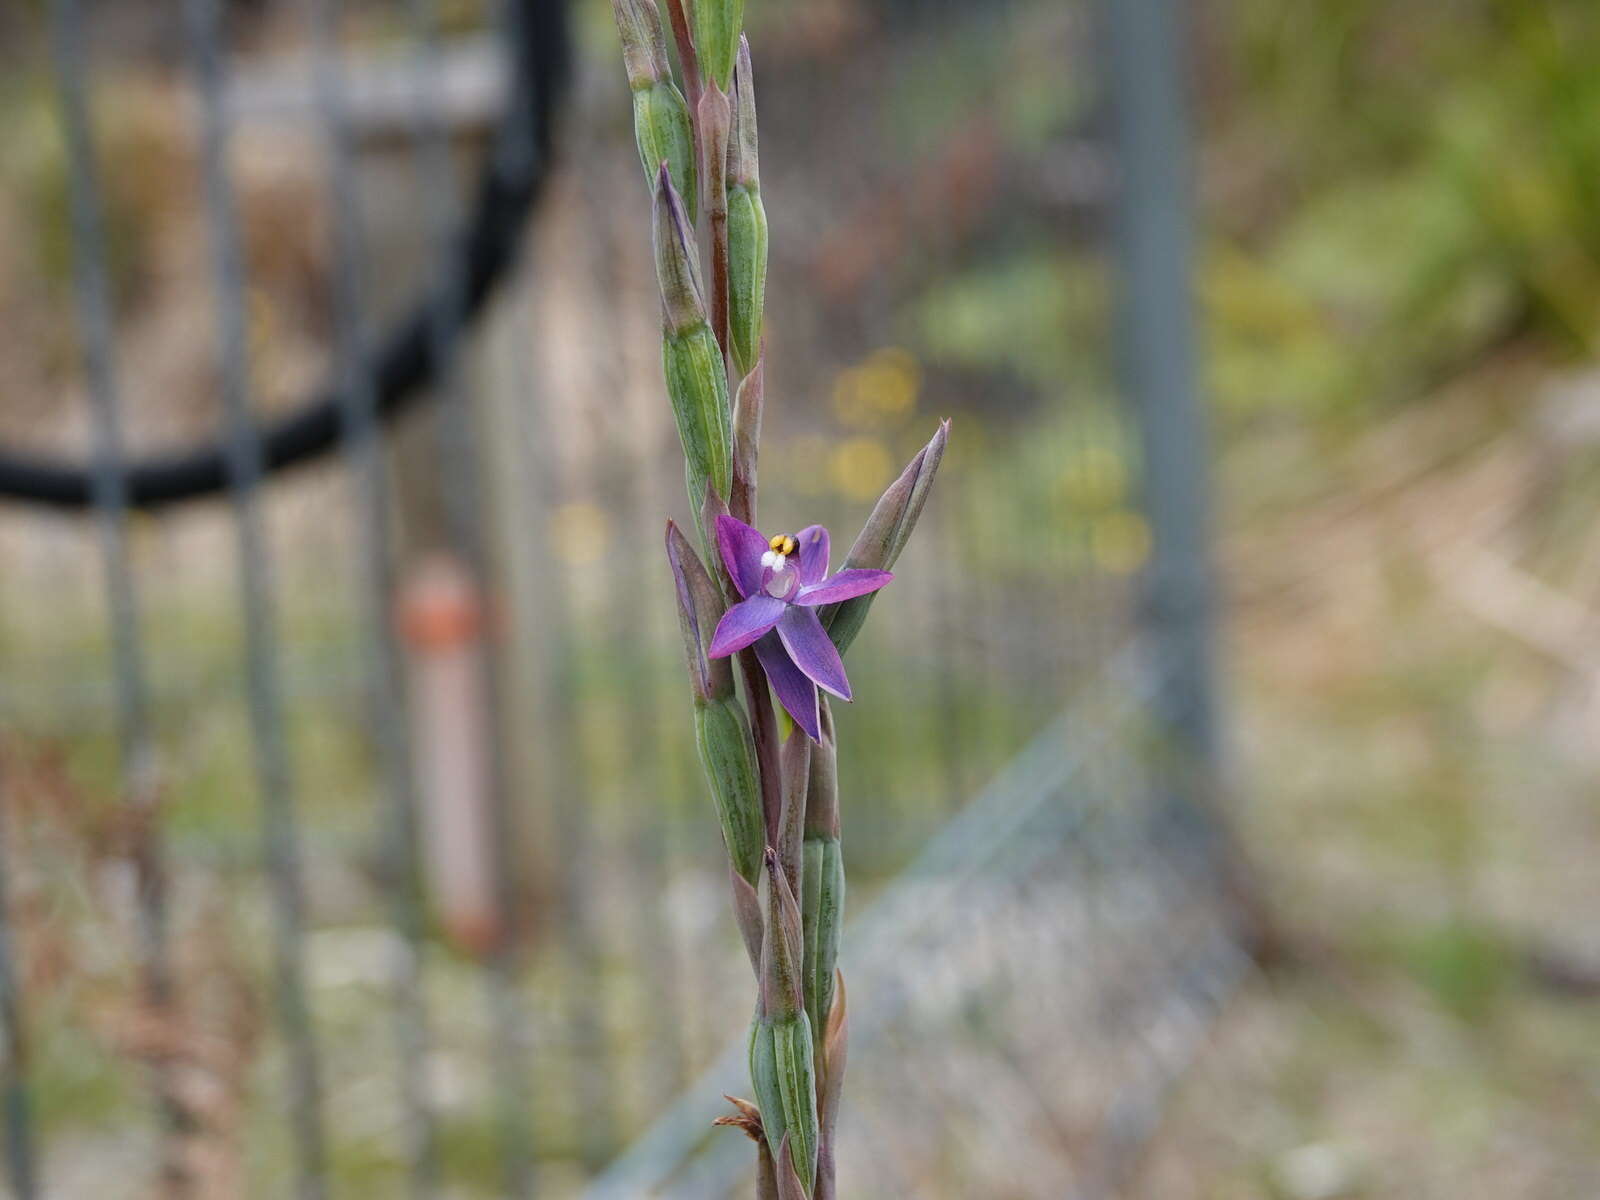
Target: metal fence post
1158,366
1157,345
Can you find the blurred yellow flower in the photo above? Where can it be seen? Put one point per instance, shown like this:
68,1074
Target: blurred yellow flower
1120,541
1093,479
580,532
860,467
880,392
804,453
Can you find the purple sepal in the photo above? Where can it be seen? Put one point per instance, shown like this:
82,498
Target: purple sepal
813,651
744,623
796,693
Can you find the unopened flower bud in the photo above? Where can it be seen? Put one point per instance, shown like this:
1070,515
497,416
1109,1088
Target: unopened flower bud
644,47
747,406
785,1087
885,534
699,608
747,225
781,951
683,302
786,1179
697,382
743,164
727,750
662,130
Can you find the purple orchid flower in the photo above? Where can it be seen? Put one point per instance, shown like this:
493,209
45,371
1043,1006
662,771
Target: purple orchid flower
782,581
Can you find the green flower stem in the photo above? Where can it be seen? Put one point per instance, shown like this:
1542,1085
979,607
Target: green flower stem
822,918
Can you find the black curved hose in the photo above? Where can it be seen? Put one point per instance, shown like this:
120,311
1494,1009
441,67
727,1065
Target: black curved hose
411,356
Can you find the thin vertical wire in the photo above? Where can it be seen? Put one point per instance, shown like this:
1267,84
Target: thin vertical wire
137,752
459,469
21,1171
363,450
280,836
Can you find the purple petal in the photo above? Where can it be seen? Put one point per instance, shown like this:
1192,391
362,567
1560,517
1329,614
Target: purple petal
813,551
742,548
796,693
843,585
813,651
744,623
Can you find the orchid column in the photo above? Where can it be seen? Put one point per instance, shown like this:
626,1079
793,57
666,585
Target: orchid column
772,603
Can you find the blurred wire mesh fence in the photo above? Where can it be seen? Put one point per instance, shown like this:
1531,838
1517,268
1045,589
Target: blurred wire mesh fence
352,840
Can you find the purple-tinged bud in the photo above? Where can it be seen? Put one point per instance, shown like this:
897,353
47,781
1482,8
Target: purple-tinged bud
794,760
747,406
683,302
885,534
715,118
747,915
781,949
743,164
697,381
644,48
705,520
699,608
722,735
790,1186
822,792
717,24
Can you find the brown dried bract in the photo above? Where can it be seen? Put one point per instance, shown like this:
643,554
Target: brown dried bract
748,1119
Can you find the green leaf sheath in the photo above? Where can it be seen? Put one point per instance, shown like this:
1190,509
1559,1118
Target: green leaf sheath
822,908
717,24
698,387
728,754
747,273
785,1084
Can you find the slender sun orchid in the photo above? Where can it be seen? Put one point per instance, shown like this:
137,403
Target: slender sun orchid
782,581
776,790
